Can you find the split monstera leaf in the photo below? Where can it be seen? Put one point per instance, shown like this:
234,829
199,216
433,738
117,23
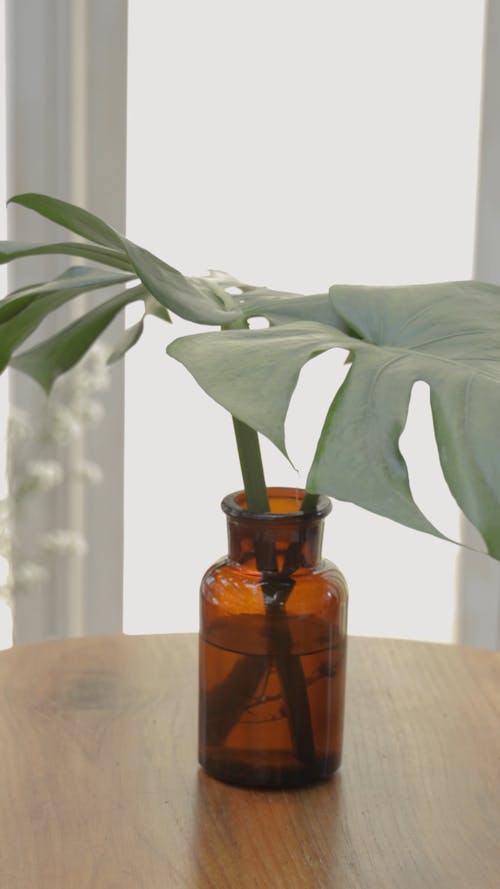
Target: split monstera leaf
447,335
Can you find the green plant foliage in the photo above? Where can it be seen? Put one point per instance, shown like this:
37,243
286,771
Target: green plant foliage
165,283
447,335
282,308
131,336
62,351
72,282
10,250
24,310
154,308
75,219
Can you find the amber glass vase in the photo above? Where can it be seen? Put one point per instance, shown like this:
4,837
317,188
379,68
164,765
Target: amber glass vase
272,648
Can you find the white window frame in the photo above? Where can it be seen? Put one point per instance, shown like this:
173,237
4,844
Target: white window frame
478,596
66,71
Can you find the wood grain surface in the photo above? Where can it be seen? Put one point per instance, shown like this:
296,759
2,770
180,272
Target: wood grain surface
100,787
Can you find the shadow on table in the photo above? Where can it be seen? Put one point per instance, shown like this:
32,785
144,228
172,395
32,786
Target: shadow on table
249,837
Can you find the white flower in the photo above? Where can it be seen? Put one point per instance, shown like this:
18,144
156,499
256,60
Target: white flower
42,475
88,471
91,412
63,541
29,575
93,373
19,426
62,424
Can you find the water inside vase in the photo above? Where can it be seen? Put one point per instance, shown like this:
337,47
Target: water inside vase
245,734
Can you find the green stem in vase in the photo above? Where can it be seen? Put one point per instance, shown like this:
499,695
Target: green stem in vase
252,470
309,502
227,702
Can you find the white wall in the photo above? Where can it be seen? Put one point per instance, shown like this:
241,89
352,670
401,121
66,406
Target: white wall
293,144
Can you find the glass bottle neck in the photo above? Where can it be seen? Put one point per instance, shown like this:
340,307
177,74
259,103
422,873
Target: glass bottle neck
276,544
281,541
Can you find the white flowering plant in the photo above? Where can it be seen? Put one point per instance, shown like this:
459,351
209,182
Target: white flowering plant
446,334
36,442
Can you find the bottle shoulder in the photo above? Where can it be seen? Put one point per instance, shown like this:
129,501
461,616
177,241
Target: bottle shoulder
227,567
232,584
333,574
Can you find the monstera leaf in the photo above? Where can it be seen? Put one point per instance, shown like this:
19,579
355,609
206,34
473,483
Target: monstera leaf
447,335
21,312
161,287
58,354
163,282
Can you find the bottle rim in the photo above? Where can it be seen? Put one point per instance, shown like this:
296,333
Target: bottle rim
234,505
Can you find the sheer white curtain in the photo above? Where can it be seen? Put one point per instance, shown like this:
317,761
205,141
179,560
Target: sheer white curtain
296,145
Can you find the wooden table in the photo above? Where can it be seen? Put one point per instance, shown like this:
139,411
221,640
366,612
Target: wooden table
100,787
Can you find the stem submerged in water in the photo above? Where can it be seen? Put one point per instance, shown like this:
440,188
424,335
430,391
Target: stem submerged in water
276,588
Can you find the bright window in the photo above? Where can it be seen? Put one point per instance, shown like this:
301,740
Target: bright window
293,144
